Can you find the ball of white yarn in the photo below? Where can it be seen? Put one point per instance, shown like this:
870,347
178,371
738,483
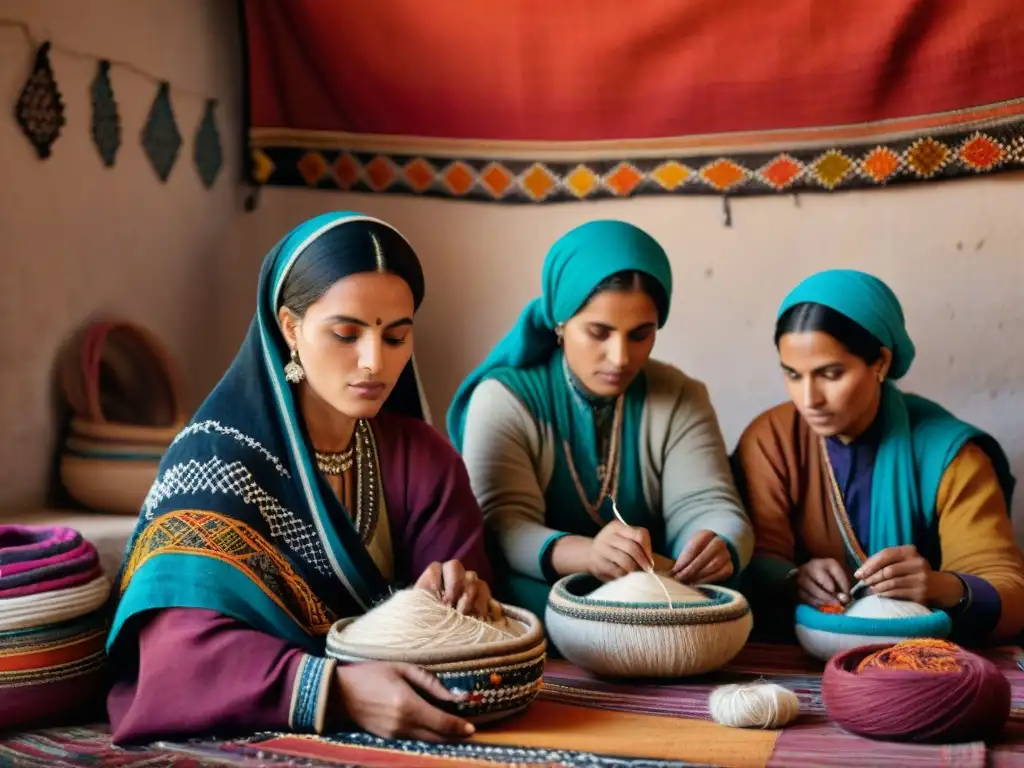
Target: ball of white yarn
875,607
644,587
754,705
415,619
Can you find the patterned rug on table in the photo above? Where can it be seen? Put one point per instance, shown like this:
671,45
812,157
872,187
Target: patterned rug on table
578,721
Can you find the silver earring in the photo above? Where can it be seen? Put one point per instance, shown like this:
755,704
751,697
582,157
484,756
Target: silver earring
560,333
293,372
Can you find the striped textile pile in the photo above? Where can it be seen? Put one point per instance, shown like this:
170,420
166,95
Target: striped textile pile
52,624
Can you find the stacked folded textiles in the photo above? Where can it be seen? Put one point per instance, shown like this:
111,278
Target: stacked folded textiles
52,624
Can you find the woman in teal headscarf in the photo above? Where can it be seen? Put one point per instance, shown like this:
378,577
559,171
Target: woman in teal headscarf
569,417
306,488
855,480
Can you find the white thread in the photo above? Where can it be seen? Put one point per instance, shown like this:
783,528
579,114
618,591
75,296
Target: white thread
649,569
753,705
414,619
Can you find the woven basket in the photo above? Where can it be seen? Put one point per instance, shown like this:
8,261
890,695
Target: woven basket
822,635
500,678
646,639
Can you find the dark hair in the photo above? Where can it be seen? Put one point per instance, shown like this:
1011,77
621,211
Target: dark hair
808,317
634,280
348,249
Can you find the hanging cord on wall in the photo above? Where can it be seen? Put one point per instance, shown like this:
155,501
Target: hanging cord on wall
34,42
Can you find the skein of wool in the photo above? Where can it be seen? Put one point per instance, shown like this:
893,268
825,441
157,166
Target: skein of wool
753,705
917,690
416,619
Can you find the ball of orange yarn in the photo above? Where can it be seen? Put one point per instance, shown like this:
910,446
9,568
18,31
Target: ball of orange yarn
919,690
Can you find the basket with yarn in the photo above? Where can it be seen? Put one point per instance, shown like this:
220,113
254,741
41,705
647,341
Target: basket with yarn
122,388
497,665
827,630
646,625
918,690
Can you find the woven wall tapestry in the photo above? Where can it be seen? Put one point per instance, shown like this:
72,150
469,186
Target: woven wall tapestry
538,101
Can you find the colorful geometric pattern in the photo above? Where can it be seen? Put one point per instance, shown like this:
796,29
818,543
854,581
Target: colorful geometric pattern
518,102
508,180
233,542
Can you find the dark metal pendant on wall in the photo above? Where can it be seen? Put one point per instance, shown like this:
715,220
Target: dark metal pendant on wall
160,137
40,109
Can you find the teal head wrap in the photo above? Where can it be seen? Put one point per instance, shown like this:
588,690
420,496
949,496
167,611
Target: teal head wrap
867,301
574,267
919,438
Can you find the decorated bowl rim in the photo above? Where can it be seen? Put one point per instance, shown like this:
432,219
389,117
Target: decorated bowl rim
526,646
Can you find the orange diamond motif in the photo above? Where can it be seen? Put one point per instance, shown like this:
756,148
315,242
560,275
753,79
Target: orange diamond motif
981,152
722,174
538,182
781,172
459,178
671,175
418,174
381,173
623,179
312,167
832,167
581,181
346,171
880,164
927,156
497,179
262,166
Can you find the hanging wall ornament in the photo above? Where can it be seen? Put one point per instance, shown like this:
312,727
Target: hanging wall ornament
40,110
106,123
160,137
207,152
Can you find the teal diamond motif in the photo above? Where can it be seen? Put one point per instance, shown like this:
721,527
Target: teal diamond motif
106,123
206,152
160,138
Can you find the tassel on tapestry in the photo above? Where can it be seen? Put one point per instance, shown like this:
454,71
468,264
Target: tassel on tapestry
160,137
40,109
106,122
206,151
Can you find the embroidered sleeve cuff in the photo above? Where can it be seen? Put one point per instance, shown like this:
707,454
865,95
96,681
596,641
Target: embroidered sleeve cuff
981,609
547,568
313,679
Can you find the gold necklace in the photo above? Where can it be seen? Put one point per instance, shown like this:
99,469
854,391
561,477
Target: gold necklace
335,463
607,472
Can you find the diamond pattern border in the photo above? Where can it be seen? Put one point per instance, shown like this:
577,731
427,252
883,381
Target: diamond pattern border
823,169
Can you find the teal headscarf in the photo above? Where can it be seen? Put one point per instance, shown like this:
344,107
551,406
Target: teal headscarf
919,438
574,267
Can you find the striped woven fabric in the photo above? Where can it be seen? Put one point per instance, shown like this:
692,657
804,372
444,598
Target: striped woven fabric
814,739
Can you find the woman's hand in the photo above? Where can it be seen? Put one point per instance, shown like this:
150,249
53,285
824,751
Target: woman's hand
460,588
384,699
704,560
899,573
618,550
822,581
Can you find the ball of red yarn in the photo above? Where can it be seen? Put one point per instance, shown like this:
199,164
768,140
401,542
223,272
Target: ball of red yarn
918,690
